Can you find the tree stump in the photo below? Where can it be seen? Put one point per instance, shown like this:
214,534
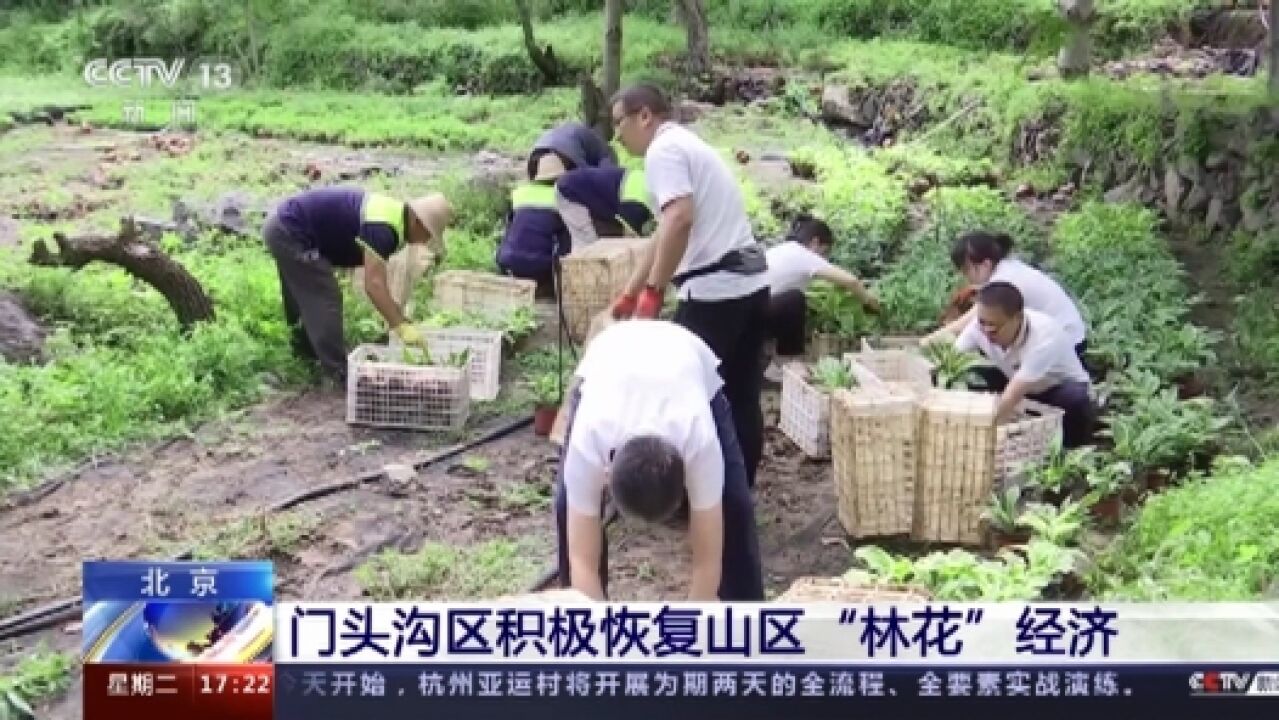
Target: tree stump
141,259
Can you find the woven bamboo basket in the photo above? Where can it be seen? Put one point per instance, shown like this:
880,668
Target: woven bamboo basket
485,293
964,457
892,342
895,366
593,277
873,458
805,412
843,590
1025,441
957,442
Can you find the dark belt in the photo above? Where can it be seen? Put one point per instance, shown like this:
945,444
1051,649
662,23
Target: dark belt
742,261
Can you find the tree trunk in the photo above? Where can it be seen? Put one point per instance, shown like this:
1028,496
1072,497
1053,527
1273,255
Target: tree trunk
692,14
544,60
141,259
1273,27
602,119
595,112
1076,54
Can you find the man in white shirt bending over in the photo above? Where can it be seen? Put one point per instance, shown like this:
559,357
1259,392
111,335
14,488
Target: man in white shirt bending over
650,424
1035,359
704,246
792,265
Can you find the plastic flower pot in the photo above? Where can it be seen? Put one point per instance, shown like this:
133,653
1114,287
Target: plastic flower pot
544,419
1155,480
1190,386
1108,509
1001,539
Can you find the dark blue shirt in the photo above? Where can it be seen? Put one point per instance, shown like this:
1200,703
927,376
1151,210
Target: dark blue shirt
599,190
328,221
530,241
579,144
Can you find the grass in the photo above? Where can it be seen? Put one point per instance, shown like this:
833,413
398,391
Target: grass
37,676
444,572
270,536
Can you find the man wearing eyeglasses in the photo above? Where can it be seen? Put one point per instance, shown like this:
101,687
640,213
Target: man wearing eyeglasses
1035,359
704,246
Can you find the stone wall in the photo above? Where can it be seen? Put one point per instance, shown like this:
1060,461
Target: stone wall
1226,179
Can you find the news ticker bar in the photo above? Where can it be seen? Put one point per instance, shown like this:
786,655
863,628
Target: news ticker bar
557,691
177,691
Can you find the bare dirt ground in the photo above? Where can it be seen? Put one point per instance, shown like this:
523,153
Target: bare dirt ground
208,492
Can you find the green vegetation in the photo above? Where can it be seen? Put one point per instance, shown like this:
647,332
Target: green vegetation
121,368
443,572
1212,539
37,676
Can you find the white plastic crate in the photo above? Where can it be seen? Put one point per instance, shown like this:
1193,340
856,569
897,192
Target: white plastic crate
805,413
383,392
485,347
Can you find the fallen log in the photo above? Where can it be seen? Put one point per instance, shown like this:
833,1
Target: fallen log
140,258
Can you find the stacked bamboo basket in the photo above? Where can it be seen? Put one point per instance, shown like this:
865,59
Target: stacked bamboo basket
908,458
844,590
593,277
470,291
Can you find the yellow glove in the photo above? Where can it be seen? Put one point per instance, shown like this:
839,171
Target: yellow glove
409,334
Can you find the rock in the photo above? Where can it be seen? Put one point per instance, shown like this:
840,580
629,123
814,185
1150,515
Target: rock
690,111
837,108
21,337
1216,160
400,474
1125,193
1196,199
8,232
1173,189
1188,167
231,210
1254,218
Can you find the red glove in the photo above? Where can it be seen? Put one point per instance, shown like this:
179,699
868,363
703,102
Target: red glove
623,307
650,303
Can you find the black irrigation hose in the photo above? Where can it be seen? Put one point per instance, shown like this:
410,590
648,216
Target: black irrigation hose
66,609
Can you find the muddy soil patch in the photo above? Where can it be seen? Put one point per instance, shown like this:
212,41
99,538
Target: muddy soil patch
155,500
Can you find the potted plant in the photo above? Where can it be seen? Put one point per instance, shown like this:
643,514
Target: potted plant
1058,525
1058,474
1107,485
952,367
546,401
1003,517
830,374
835,317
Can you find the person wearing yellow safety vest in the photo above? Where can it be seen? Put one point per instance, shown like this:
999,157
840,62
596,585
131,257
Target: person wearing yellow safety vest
312,233
535,235
602,202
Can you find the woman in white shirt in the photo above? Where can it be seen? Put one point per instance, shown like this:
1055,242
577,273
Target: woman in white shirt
984,257
792,265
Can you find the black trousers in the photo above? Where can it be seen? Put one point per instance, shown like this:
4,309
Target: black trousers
741,569
1072,398
312,300
787,321
735,330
